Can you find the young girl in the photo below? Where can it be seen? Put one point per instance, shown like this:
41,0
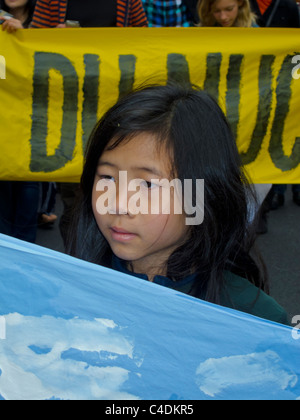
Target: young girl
171,132
22,12
226,13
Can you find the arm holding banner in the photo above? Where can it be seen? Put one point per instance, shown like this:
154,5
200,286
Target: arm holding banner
11,25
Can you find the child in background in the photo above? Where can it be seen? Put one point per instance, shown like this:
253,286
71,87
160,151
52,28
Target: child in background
226,13
18,200
22,12
169,132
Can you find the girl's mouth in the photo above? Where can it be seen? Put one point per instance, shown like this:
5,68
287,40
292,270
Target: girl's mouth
121,235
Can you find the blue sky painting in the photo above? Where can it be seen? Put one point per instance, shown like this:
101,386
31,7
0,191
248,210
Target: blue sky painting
77,331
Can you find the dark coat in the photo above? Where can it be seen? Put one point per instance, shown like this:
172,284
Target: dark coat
192,8
287,14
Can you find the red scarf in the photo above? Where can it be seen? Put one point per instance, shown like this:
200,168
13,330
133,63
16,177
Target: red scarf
263,5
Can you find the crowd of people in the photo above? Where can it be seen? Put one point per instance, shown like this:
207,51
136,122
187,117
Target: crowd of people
25,205
17,218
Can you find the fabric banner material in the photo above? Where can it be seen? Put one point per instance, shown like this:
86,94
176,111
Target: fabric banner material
75,330
55,84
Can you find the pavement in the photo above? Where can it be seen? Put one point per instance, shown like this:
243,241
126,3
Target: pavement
279,247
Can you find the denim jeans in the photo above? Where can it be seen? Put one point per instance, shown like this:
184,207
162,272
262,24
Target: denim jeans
281,188
18,209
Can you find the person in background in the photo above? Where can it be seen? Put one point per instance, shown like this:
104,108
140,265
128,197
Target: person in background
46,216
171,13
277,195
19,209
91,13
18,200
226,13
278,14
22,12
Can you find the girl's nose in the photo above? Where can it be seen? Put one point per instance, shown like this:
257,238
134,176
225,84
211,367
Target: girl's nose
122,202
121,196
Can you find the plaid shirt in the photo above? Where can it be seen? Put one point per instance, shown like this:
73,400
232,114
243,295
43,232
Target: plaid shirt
167,13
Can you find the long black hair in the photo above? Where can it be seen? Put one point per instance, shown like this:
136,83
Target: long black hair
29,8
193,128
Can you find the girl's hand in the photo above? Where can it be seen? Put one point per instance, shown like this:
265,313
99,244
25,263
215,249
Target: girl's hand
10,24
61,25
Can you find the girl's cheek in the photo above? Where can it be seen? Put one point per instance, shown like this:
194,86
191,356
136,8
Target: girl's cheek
95,206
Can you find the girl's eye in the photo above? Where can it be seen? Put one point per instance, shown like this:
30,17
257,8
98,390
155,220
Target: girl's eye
107,178
148,184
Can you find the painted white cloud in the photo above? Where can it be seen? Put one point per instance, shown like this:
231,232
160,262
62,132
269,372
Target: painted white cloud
262,370
49,357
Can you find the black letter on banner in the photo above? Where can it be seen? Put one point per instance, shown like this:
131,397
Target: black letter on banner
212,80
127,67
90,96
40,162
264,109
233,91
178,69
283,96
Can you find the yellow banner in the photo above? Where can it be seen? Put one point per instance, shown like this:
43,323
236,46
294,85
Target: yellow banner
55,84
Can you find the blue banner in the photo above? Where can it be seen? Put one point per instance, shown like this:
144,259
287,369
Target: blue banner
74,330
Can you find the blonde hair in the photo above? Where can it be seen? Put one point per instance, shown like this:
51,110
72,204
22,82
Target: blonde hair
245,17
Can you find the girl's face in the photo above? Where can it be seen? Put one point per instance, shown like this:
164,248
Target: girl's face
15,4
225,12
145,240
